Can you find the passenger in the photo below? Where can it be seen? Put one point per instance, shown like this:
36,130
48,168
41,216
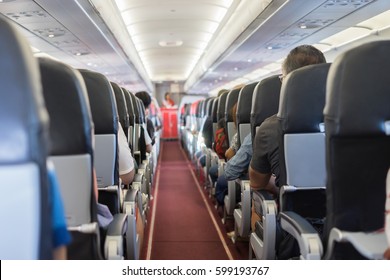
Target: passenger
156,113
222,185
266,145
147,100
220,147
264,167
61,236
235,168
168,102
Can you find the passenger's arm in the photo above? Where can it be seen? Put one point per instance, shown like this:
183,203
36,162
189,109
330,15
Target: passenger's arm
229,153
60,253
262,181
148,140
127,178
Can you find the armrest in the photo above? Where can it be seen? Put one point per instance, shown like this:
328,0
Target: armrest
371,245
309,241
131,199
114,245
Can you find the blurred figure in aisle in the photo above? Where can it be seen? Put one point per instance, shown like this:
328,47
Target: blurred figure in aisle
155,114
168,102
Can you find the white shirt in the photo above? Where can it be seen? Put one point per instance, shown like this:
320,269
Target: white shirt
148,140
126,162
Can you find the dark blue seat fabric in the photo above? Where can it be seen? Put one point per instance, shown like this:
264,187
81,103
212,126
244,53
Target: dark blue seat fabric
357,115
25,210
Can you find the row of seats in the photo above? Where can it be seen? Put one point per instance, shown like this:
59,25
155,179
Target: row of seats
334,154
53,114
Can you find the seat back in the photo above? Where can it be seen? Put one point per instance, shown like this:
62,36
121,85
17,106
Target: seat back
222,106
137,124
130,111
25,211
265,101
214,114
105,119
244,106
357,122
141,139
122,108
231,100
302,149
71,132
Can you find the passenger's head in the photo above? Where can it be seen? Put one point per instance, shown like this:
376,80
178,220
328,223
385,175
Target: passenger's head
301,56
167,95
145,97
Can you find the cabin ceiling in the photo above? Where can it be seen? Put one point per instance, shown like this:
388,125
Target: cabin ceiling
200,44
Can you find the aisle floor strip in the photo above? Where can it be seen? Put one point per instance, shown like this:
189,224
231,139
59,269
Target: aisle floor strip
155,199
220,234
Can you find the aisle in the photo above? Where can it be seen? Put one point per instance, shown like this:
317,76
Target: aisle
183,227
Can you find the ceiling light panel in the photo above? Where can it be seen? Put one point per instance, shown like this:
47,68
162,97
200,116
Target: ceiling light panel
273,39
183,26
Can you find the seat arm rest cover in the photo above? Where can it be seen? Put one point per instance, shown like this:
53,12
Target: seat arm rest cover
371,245
114,245
309,241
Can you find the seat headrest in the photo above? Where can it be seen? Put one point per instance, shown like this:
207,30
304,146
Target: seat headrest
121,105
129,105
231,100
102,102
199,109
222,105
302,99
209,106
244,103
137,114
67,103
23,116
358,91
141,109
214,110
265,101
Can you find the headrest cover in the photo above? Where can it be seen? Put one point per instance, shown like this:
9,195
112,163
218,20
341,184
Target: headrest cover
137,115
102,102
222,105
265,101
121,105
302,99
129,105
209,108
141,109
358,91
67,103
214,110
244,103
199,108
24,119
231,100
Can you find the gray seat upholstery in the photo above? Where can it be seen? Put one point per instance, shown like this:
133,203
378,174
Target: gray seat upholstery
25,211
302,154
71,132
357,122
265,103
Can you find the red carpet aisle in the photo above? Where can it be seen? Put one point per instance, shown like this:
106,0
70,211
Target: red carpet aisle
182,228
